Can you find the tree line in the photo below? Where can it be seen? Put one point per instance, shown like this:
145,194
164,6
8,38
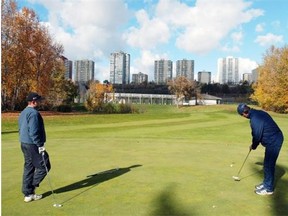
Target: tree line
214,89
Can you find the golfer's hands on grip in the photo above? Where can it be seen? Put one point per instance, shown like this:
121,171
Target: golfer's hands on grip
251,147
41,149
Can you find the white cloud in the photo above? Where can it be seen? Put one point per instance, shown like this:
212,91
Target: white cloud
230,48
179,13
234,46
246,66
237,37
87,29
198,29
260,27
269,39
201,28
150,33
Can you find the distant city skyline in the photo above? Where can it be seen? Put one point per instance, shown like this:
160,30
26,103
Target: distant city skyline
165,29
227,70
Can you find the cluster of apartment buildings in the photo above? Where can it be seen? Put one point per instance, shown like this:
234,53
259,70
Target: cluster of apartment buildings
227,71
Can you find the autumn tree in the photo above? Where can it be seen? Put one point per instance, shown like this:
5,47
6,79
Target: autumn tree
71,91
61,91
183,88
96,95
271,89
30,58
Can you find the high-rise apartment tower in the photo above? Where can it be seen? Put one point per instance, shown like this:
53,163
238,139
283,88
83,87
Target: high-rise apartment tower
228,70
139,78
119,68
185,68
84,70
163,70
204,77
68,67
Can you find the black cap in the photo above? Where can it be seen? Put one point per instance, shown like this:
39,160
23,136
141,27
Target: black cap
33,96
241,108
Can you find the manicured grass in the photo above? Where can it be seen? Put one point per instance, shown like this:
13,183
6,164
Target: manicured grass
171,162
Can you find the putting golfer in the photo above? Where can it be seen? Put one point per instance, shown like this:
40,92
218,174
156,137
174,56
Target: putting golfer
266,132
32,137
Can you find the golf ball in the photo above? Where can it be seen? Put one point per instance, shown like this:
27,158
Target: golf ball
57,205
231,165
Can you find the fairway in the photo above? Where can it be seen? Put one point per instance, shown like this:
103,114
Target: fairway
163,161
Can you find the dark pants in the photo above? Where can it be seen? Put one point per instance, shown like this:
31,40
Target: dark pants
34,169
271,155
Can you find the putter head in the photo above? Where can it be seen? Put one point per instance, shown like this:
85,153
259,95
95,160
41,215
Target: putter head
236,178
57,205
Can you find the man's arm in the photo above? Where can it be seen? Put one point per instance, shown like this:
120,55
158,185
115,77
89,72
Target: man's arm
257,131
34,129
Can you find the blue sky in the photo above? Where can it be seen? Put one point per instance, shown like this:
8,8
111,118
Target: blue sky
200,30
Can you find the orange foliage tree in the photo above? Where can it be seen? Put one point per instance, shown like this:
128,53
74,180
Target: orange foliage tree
271,89
96,95
30,58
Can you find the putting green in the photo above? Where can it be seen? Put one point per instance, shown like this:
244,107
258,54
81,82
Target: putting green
164,161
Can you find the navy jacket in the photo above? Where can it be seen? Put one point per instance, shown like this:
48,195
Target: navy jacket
31,127
264,129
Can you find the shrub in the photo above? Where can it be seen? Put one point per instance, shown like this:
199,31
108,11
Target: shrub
110,108
125,108
79,108
64,108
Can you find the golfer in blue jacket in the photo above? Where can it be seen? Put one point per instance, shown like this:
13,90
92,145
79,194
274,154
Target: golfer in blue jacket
264,131
32,137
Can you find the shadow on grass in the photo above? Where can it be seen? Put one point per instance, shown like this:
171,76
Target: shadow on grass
280,198
252,174
91,181
9,132
167,204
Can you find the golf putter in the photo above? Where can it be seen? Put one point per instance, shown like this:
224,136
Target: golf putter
237,178
56,205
